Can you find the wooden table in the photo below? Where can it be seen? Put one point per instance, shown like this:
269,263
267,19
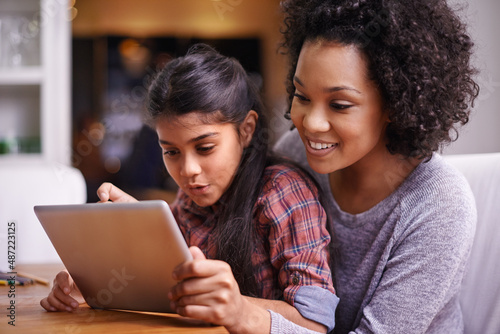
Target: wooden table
30,317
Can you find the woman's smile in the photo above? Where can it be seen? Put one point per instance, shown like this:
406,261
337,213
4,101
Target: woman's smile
337,110
320,149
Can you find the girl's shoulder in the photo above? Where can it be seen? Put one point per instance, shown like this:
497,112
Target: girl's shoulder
288,196
284,176
286,172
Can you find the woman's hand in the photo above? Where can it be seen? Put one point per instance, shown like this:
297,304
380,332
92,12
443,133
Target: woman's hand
109,192
208,291
64,296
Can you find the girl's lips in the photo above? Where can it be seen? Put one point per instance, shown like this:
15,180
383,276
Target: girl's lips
198,189
320,149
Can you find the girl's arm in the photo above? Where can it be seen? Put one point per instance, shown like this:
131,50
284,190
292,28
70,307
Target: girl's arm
296,225
208,291
109,192
64,296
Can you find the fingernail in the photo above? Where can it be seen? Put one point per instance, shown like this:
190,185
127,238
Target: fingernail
69,309
52,308
67,291
74,304
170,295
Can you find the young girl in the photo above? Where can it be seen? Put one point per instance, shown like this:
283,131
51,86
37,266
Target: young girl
258,216
376,88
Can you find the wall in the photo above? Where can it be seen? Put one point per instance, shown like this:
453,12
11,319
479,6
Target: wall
482,134
231,18
195,18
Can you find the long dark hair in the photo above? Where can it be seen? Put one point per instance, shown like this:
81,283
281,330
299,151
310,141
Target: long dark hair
218,87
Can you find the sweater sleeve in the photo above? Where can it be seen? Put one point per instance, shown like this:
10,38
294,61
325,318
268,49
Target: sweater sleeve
280,325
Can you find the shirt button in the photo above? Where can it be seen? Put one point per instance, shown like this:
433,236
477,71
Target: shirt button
296,279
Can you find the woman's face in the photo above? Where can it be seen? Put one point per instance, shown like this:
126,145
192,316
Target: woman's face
201,158
337,110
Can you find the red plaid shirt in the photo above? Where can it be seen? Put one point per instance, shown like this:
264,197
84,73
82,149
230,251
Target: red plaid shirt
291,223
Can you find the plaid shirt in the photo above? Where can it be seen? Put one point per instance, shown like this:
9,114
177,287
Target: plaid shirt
292,250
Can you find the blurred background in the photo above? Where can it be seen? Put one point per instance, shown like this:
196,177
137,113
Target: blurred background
118,46
74,75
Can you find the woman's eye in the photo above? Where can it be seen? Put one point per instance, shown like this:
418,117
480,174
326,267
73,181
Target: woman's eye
339,106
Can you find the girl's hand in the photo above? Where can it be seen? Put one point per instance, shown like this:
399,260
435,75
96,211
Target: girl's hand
64,296
109,192
208,291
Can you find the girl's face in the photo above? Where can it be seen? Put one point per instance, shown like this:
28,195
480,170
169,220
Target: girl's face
201,158
337,110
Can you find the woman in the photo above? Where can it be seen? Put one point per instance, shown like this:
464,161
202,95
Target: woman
376,88
257,218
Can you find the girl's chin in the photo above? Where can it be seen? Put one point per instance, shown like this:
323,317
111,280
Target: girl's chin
203,202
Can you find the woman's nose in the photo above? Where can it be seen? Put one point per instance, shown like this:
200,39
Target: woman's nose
315,120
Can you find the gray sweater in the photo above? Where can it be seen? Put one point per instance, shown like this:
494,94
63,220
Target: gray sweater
400,264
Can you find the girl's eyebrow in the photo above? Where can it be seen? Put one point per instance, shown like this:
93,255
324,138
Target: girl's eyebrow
192,140
329,89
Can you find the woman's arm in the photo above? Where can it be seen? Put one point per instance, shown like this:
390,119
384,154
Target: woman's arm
422,278
288,312
420,253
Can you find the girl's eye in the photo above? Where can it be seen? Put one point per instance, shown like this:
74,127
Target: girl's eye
301,97
170,153
205,149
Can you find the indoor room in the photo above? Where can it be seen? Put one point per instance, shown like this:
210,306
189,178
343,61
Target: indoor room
75,76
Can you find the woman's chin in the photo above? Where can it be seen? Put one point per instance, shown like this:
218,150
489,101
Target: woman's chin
320,167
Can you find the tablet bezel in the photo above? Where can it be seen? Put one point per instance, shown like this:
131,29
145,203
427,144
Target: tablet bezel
120,255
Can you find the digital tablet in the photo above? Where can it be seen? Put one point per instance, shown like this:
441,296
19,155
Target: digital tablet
120,255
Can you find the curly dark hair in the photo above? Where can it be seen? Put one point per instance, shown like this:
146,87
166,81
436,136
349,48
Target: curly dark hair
419,56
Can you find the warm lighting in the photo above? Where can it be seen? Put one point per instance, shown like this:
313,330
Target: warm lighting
72,11
135,56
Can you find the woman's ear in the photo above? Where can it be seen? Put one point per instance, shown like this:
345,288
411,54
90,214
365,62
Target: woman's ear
247,127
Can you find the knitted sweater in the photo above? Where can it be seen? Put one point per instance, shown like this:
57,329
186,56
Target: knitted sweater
400,264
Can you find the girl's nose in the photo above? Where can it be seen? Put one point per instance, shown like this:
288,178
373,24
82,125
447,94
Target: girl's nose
190,166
